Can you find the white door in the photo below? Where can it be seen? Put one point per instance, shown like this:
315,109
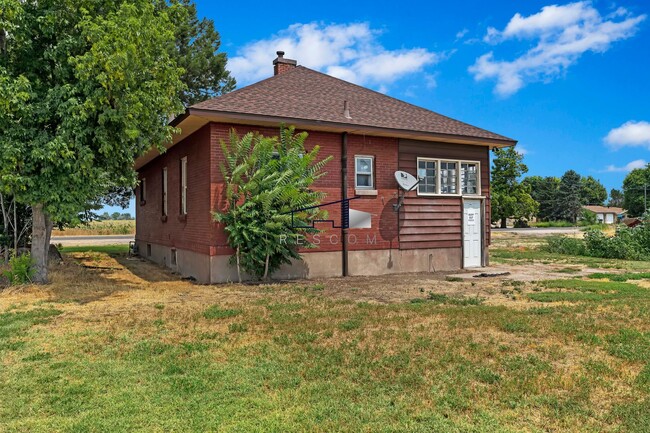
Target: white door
472,226
609,218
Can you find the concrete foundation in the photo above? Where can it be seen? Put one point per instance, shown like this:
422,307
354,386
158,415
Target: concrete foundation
218,269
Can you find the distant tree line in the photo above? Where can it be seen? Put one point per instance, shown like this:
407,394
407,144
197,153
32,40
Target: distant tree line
562,198
115,216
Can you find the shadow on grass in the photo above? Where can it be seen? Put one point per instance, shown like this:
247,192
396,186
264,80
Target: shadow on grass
89,276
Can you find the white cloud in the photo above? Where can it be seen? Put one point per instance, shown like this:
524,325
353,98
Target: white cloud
561,34
351,52
461,34
632,134
522,150
639,163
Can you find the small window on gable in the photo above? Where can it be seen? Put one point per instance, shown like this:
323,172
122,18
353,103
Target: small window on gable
448,177
427,173
469,178
143,191
363,172
184,185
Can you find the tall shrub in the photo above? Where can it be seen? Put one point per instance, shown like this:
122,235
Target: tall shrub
266,179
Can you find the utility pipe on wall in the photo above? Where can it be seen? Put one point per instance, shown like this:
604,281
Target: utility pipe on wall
344,204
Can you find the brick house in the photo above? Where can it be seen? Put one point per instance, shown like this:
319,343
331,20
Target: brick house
443,224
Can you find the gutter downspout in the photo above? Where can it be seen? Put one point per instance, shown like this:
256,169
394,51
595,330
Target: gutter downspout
344,204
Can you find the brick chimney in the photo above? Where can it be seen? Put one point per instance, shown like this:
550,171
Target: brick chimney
281,65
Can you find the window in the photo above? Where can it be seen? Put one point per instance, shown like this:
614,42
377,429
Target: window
448,177
427,174
164,191
363,172
184,185
469,178
143,191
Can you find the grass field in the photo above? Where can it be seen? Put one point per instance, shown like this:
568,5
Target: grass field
120,345
99,228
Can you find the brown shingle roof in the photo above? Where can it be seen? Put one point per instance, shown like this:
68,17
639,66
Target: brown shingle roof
305,94
605,209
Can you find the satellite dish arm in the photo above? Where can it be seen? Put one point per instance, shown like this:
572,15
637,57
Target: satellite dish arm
400,200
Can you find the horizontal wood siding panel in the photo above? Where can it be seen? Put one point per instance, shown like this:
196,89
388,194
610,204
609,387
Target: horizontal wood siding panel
436,221
429,230
431,208
430,223
407,215
427,201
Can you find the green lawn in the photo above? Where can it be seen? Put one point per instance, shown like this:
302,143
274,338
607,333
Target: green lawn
108,249
165,355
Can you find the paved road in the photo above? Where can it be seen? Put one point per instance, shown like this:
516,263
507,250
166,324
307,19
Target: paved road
74,241
539,231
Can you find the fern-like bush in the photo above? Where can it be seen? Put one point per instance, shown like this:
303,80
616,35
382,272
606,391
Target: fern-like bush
20,269
266,178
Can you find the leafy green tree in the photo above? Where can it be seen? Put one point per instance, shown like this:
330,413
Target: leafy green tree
266,179
510,198
544,191
636,191
197,52
569,198
615,198
85,88
592,192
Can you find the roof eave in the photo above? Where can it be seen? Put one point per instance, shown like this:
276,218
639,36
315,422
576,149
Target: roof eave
200,117
246,118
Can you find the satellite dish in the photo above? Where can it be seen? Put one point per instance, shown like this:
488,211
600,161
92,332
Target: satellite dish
405,180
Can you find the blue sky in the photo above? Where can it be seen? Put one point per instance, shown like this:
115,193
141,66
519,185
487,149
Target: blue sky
569,80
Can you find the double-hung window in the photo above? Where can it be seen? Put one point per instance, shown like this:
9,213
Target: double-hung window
469,177
448,177
184,185
363,172
164,191
428,175
143,191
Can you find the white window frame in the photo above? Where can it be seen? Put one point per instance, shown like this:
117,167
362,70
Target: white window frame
417,168
372,172
183,185
165,207
459,189
143,190
457,182
478,178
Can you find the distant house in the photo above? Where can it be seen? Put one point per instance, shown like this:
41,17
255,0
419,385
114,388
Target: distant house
606,214
443,223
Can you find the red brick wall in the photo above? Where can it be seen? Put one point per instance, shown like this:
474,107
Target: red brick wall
383,233
199,233
190,233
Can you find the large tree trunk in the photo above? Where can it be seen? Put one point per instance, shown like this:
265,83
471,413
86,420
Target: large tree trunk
503,223
41,233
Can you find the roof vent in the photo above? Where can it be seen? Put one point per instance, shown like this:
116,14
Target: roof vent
346,110
282,65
